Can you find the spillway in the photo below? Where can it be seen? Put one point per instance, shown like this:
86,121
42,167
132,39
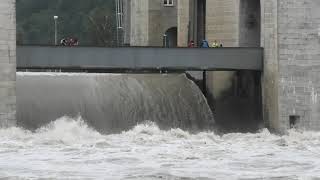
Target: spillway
86,147
111,102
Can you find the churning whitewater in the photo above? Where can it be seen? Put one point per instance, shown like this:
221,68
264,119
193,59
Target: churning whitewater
68,149
138,127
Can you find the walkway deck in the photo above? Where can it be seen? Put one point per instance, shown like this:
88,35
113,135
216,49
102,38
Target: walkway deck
138,58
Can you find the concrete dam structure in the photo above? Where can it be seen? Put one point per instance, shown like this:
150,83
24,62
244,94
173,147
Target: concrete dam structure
286,91
78,119
287,30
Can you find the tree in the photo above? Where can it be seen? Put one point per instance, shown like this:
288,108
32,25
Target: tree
101,26
91,21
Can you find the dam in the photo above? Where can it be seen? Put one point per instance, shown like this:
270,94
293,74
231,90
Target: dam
143,112
244,100
290,68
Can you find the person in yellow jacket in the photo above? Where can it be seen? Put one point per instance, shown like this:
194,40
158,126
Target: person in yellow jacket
215,44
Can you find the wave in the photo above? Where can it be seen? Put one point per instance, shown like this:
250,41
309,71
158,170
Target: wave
67,130
67,144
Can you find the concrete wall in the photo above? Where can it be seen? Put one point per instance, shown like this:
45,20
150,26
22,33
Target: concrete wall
161,18
7,62
201,20
290,36
126,22
249,23
192,25
139,23
147,21
183,22
222,22
299,62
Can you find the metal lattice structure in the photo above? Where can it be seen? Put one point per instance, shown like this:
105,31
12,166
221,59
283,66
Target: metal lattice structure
119,20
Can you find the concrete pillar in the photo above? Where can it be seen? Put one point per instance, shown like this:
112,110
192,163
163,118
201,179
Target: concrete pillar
183,22
291,39
270,79
139,23
7,63
126,22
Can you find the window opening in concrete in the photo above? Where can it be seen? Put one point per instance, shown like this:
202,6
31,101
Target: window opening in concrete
294,120
168,2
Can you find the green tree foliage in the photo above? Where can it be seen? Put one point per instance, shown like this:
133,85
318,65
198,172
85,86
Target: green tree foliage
90,21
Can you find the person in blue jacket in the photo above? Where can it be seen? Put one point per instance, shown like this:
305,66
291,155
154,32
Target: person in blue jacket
204,44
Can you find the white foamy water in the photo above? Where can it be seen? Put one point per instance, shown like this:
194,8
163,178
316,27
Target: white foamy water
69,149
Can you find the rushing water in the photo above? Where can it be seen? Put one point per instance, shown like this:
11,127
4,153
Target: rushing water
69,149
116,142
111,103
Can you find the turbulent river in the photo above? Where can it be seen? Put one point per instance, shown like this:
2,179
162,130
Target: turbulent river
68,149
138,127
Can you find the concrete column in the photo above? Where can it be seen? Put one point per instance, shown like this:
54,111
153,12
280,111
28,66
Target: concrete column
270,79
139,23
183,22
7,63
126,21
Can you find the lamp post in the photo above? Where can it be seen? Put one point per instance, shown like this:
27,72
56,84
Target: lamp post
55,30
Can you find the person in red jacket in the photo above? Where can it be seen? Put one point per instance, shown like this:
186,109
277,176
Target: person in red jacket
191,44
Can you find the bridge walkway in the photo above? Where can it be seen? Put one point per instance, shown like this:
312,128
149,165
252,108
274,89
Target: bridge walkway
149,59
